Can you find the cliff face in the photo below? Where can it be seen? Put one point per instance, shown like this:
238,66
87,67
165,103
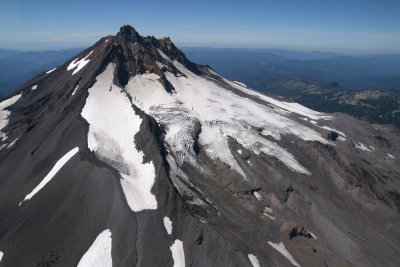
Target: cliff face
130,154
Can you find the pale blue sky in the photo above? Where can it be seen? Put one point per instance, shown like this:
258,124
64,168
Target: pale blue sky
350,26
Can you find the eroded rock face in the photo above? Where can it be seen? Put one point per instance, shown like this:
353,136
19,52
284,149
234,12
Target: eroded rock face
230,177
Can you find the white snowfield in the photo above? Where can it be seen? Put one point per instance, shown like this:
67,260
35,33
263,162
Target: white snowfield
288,106
99,253
4,114
50,71
167,225
78,64
59,164
254,261
34,87
113,125
222,114
178,255
282,249
1,255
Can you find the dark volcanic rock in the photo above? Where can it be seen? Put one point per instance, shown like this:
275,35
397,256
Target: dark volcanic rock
333,136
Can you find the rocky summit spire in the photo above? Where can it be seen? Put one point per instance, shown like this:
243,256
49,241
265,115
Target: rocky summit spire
129,34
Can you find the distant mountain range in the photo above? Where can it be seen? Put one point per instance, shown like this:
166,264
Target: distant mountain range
17,67
267,69
324,81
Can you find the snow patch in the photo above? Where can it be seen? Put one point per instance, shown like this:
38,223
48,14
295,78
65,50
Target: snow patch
10,145
163,55
282,249
267,211
99,253
59,164
240,83
4,114
3,146
167,225
239,151
269,216
254,261
160,65
1,255
50,71
362,147
313,236
334,130
34,87
76,88
257,195
390,155
113,125
79,64
178,255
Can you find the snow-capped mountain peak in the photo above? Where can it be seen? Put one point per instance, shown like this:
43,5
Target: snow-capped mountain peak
129,153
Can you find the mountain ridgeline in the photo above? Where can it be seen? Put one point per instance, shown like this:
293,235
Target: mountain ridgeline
129,154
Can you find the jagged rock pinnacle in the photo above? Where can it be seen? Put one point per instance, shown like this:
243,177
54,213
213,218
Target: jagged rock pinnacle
129,34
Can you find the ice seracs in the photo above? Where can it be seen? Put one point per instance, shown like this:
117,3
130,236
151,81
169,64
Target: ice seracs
178,254
280,247
99,253
79,64
113,125
59,164
254,261
200,103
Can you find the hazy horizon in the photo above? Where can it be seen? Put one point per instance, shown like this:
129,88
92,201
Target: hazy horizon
267,49
354,27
